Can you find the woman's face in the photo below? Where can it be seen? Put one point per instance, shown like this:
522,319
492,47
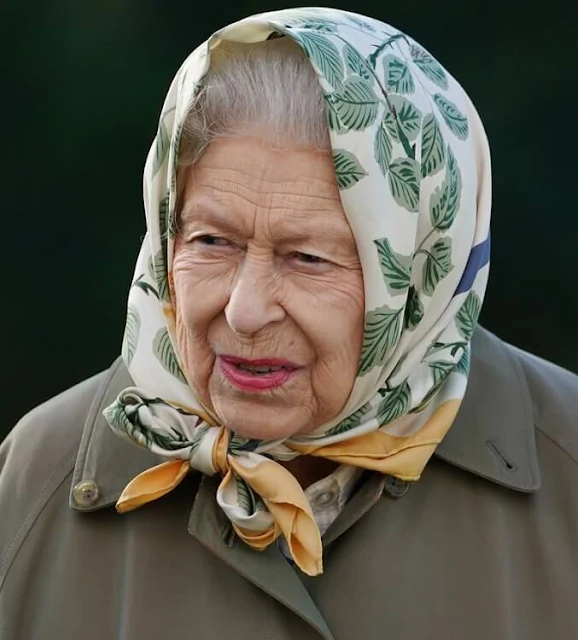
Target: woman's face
268,288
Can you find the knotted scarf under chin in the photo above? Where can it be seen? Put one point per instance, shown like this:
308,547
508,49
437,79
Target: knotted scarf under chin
260,497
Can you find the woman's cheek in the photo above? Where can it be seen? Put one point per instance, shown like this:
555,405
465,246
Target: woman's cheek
190,276
200,287
339,309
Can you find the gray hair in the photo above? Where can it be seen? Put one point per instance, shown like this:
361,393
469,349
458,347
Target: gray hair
267,88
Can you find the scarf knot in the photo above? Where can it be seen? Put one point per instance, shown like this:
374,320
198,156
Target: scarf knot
260,497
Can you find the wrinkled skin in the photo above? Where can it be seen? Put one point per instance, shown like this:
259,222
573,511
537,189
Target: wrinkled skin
265,266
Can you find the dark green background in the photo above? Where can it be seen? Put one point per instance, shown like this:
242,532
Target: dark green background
82,85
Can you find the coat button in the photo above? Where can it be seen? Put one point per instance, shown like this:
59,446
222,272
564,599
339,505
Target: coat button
396,488
325,498
85,493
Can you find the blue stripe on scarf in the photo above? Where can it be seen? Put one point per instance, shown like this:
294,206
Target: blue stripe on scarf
479,258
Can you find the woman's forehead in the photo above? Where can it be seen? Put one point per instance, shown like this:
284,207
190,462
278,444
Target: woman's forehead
255,157
237,179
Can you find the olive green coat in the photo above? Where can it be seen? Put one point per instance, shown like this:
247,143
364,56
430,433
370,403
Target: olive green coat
483,547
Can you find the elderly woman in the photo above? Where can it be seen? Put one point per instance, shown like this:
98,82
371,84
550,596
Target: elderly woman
300,331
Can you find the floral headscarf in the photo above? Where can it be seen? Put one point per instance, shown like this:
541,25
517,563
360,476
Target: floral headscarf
413,169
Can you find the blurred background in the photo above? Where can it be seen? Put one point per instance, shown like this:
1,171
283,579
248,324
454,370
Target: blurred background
83,83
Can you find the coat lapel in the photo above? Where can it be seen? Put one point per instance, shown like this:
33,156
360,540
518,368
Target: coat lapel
268,569
493,434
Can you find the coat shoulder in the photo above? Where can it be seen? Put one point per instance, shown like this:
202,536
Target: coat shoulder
36,457
554,394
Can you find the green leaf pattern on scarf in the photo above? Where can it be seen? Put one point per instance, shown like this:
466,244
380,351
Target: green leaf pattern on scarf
352,421
157,270
438,264
382,148
440,371
355,63
414,310
404,182
348,169
355,103
245,495
467,316
398,77
429,66
362,23
407,115
382,328
164,353
456,121
463,365
131,331
405,164
396,268
324,55
432,147
396,402
333,119
445,200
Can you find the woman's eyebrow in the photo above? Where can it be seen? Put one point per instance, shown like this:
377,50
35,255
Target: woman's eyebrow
298,228
209,212
334,234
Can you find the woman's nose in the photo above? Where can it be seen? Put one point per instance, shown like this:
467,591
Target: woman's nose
254,300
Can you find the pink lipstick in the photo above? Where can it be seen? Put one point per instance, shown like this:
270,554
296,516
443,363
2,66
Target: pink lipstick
257,375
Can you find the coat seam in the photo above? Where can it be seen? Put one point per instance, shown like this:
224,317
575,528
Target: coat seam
557,445
90,422
46,493
531,454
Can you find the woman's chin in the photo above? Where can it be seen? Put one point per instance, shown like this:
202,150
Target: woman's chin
257,422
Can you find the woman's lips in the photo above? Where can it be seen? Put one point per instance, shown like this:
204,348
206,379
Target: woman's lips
257,375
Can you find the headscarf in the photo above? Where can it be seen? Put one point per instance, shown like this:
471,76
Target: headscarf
412,165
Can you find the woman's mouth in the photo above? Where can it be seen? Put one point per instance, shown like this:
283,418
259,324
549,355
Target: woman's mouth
257,375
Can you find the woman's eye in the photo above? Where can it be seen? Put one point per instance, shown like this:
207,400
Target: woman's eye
212,241
308,258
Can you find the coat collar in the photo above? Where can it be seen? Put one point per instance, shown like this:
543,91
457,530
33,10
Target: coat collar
492,437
